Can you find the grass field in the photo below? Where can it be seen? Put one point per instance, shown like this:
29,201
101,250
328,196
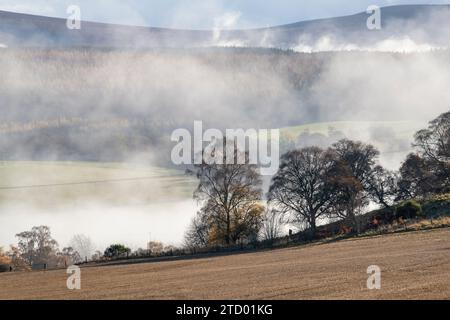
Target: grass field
109,202
50,184
401,129
414,265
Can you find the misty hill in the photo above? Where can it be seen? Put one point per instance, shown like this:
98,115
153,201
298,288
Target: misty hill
68,94
418,23
87,104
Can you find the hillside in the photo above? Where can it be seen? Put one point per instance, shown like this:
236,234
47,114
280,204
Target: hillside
67,92
413,265
415,22
63,104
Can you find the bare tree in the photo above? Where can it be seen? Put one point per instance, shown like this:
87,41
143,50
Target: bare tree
69,256
197,235
300,187
230,195
272,224
83,245
350,178
382,186
433,147
416,180
434,142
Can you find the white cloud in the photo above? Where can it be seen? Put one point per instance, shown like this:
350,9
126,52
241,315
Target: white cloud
228,20
403,45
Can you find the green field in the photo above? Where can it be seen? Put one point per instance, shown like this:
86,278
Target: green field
50,184
402,129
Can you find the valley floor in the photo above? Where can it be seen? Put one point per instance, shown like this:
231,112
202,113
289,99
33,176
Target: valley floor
414,265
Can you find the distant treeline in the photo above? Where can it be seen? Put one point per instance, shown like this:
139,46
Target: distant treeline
65,104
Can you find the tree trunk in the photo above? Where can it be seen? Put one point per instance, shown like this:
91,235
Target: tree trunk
228,234
355,223
313,227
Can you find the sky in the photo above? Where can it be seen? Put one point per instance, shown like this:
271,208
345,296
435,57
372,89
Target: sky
201,14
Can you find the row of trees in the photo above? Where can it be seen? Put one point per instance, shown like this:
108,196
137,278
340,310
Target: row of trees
314,184
37,248
154,249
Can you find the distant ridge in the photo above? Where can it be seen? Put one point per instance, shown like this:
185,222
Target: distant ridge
417,22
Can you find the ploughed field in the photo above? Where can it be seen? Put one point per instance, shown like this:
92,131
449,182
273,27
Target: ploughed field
413,265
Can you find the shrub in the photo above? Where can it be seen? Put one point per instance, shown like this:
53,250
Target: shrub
409,210
437,206
386,215
116,250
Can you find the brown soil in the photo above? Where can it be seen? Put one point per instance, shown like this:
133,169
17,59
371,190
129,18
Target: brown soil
414,265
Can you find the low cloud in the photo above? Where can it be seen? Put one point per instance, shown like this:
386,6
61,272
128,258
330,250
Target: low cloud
398,45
